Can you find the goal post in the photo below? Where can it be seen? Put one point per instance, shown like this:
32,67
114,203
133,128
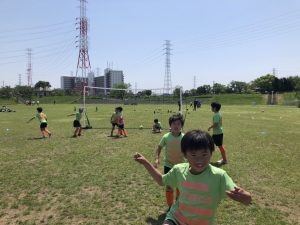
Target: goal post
151,103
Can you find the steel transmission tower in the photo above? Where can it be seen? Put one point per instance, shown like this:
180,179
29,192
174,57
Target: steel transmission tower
29,68
83,63
167,79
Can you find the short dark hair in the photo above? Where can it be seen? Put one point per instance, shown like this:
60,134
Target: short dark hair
197,140
155,120
216,105
39,109
119,108
176,117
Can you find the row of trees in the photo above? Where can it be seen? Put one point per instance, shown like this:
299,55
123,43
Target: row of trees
263,84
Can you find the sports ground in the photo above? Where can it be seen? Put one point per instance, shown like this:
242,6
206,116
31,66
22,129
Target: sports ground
93,179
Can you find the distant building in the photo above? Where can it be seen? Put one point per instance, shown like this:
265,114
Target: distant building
113,77
67,83
110,78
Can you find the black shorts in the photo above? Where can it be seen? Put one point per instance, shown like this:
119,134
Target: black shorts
170,222
114,124
43,125
218,139
76,124
166,169
121,126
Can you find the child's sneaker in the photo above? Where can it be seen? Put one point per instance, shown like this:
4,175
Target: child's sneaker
50,135
222,162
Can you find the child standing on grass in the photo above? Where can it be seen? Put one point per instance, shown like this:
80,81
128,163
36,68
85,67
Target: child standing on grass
171,143
218,131
43,122
113,121
76,122
201,185
121,124
156,128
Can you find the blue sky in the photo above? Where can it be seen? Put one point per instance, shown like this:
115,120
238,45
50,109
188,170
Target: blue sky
216,41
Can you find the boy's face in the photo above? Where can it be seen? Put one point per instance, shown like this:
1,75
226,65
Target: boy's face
213,109
198,160
176,127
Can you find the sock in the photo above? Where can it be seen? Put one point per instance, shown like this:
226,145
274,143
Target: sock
222,150
169,196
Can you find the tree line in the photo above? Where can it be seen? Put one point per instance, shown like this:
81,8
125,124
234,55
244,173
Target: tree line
264,84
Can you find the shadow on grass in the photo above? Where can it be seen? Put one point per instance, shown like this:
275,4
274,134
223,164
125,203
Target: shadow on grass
35,138
157,221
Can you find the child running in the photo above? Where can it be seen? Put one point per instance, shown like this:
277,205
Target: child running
218,131
156,128
76,122
201,185
121,124
43,122
171,143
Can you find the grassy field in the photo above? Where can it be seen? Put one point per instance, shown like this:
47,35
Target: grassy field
94,180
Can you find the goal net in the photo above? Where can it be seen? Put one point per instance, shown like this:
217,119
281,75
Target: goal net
140,106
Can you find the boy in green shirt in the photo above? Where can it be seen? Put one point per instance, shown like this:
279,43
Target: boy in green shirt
218,131
173,155
156,128
114,121
201,185
43,122
76,122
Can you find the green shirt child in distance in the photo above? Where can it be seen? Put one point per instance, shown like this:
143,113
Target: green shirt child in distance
43,122
170,142
218,132
156,128
76,122
202,186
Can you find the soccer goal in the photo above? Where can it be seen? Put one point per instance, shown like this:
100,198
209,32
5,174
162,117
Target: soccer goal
141,106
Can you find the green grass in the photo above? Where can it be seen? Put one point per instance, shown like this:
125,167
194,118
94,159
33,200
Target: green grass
94,180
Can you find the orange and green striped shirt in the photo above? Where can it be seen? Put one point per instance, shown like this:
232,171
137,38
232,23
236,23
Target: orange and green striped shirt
172,148
199,196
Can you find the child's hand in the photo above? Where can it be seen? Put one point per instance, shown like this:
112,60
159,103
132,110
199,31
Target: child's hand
156,163
240,195
139,158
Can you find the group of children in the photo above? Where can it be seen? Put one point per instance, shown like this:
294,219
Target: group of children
200,186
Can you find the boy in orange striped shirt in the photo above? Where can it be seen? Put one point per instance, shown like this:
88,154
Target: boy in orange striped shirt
171,143
201,185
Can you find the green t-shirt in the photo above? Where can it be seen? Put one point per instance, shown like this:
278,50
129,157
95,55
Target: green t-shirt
157,125
172,148
199,194
42,117
78,116
114,118
217,118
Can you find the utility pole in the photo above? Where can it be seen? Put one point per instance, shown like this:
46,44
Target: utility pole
29,68
274,72
167,79
194,82
20,82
